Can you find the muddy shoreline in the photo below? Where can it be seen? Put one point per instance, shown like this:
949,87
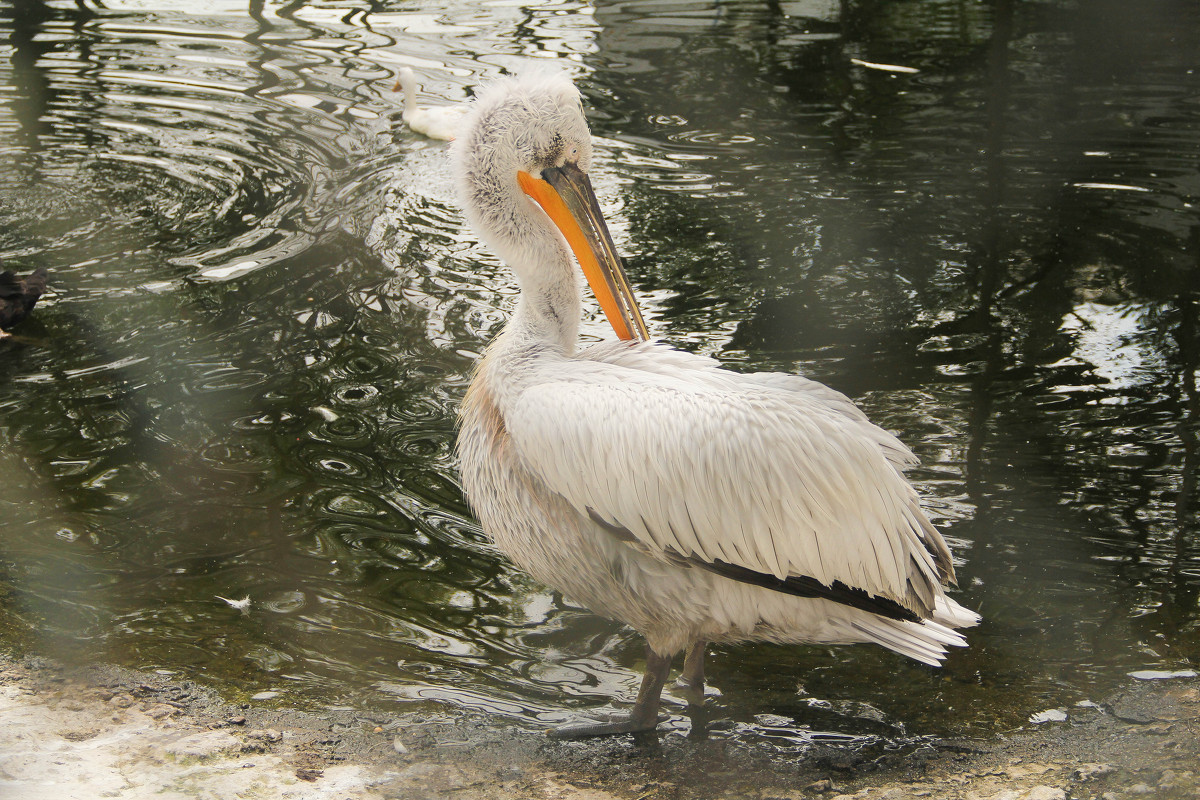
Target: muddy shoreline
111,732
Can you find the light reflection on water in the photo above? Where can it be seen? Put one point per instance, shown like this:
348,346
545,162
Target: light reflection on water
266,309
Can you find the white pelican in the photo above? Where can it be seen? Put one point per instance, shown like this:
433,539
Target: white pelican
693,503
436,123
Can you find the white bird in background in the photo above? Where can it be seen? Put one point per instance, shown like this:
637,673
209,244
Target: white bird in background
442,122
693,503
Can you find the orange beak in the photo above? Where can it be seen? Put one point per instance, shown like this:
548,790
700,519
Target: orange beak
565,194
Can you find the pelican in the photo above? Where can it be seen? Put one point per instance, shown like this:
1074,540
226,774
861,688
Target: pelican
696,504
436,123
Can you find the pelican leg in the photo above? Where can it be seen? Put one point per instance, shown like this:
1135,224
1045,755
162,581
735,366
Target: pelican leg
643,717
691,680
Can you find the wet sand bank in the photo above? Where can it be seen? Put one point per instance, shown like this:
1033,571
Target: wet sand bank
112,732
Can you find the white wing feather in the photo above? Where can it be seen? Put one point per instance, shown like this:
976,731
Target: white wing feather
783,477
656,357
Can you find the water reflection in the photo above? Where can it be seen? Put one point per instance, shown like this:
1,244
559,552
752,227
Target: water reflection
266,308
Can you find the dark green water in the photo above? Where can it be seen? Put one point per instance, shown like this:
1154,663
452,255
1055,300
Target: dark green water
266,308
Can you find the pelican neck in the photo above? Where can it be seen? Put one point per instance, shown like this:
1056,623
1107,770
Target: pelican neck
548,310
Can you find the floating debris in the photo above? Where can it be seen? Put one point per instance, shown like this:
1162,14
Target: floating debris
884,67
1162,674
17,296
327,414
240,605
1119,187
1049,715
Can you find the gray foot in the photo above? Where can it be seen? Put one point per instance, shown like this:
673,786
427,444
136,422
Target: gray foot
612,727
643,717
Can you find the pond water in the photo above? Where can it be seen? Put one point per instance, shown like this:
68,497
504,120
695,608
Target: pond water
266,307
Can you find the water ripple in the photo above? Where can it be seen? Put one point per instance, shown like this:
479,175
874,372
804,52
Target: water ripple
267,306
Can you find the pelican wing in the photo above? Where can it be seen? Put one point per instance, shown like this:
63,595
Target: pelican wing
743,475
659,358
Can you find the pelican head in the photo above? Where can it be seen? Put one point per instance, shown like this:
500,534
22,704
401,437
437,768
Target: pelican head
522,165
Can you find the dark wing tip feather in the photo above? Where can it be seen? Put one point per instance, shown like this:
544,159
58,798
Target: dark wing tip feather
796,585
804,586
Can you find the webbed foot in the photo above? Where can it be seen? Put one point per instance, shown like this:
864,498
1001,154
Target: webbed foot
612,727
643,717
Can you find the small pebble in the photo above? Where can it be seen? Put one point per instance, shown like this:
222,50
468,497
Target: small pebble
1085,772
122,701
267,735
